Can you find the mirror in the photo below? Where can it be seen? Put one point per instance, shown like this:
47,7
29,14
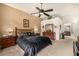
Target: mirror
49,27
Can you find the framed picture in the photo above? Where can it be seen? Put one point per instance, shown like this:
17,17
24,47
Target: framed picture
25,23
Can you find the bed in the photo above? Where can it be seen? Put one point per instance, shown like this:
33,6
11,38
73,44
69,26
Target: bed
22,31
31,43
57,48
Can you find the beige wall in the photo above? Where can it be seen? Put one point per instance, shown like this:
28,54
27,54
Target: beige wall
11,18
0,19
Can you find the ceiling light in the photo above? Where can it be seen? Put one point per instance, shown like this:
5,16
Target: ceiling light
41,13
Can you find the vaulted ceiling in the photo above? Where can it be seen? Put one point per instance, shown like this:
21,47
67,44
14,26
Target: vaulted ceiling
60,9
64,10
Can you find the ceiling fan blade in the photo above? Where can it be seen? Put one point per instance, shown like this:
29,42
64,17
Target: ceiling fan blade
39,15
38,8
49,10
46,14
49,17
35,13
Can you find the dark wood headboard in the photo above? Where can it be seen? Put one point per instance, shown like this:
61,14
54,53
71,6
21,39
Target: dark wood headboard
20,31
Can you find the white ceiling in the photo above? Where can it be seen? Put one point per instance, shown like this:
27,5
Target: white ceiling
60,9
67,11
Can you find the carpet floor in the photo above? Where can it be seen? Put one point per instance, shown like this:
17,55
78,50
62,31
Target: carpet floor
59,48
12,51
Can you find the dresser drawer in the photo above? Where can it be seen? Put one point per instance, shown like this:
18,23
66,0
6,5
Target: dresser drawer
7,42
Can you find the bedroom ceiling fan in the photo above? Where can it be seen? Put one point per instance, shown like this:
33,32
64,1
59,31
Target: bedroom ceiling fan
41,11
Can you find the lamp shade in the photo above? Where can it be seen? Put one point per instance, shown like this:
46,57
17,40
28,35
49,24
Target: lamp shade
36,29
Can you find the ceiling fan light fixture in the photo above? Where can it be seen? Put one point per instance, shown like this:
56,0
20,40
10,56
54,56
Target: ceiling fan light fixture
41,13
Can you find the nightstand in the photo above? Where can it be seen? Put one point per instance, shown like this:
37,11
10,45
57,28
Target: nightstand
7,41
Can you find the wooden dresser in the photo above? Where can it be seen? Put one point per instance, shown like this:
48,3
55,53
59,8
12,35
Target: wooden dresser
49,35
7,41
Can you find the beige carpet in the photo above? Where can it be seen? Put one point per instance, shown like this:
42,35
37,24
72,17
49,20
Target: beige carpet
59,48
12,51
